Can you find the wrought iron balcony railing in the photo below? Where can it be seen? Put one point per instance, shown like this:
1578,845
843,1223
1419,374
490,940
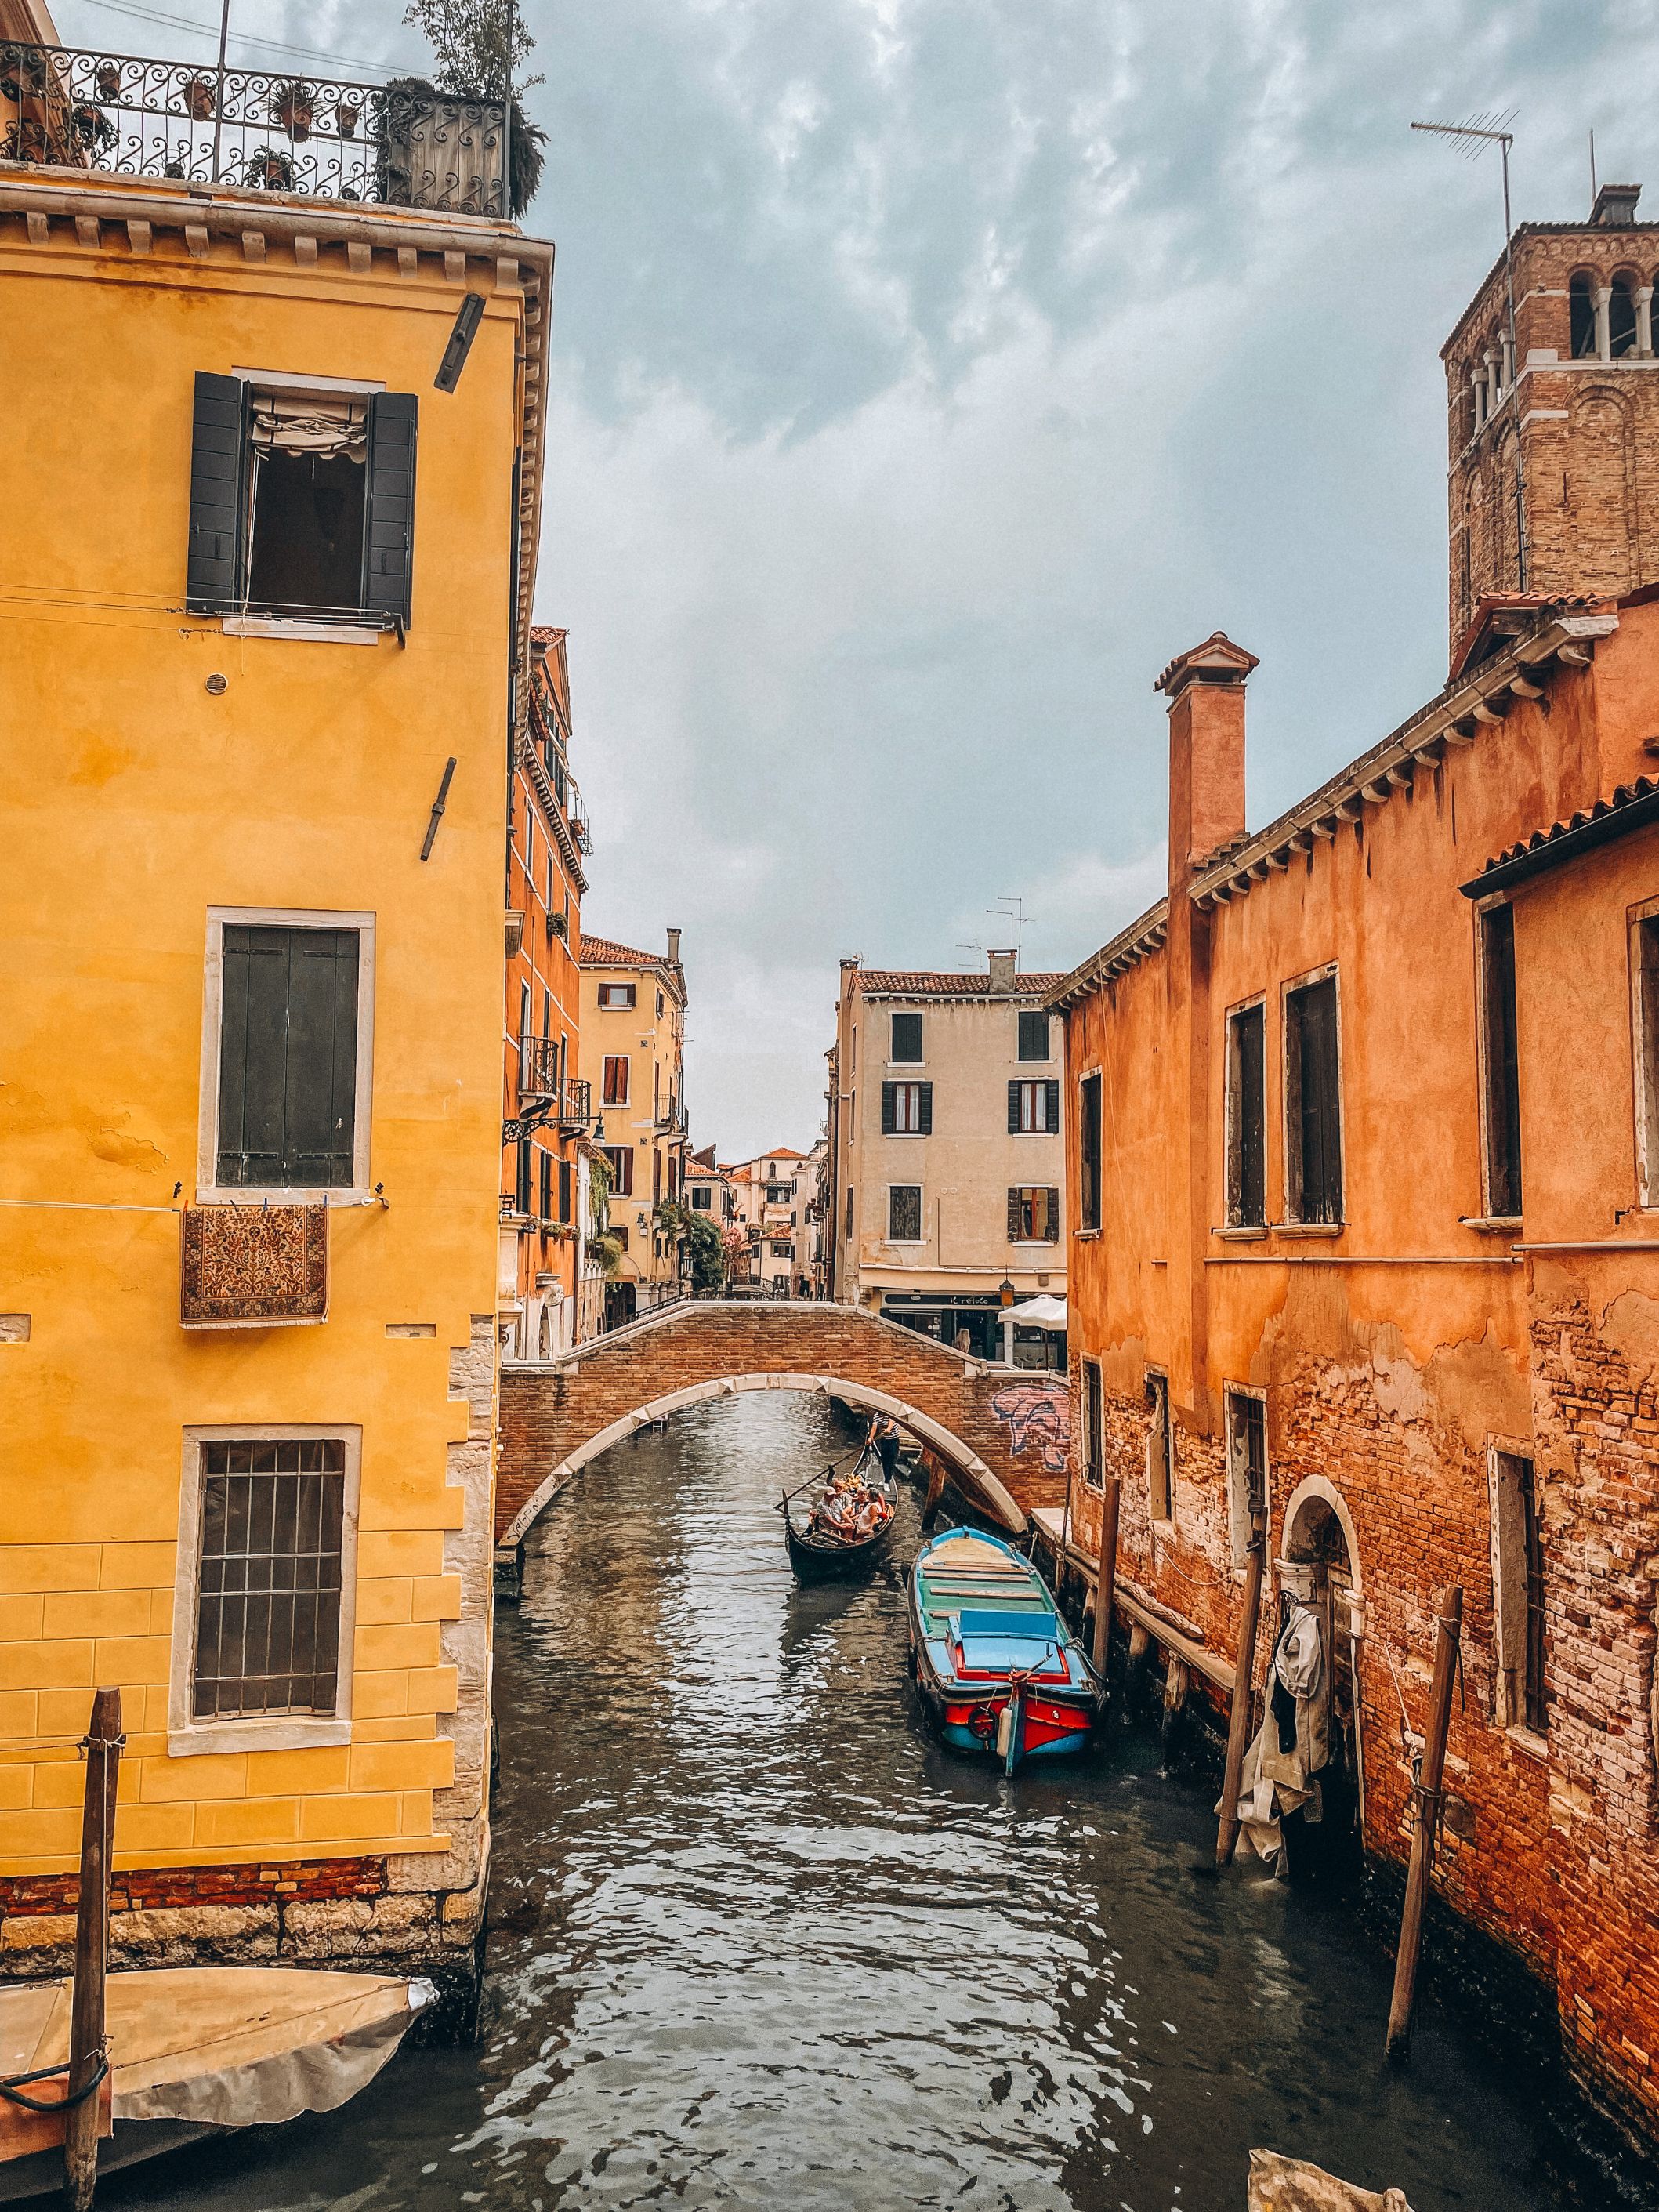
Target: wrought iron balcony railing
575,1109
539,1068
400,144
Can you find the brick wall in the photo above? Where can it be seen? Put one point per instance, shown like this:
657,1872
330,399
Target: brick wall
1016,1422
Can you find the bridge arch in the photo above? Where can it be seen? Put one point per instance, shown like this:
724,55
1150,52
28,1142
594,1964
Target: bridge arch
1004,1434
964,1462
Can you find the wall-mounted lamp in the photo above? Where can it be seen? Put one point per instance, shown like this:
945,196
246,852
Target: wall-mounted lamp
467,319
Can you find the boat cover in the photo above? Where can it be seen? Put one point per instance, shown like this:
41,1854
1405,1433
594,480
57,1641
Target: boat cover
1290,2184
223,2046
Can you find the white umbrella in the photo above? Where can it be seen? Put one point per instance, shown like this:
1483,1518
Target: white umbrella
1043,1312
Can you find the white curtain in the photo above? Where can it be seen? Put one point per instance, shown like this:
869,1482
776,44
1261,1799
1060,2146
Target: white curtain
321,423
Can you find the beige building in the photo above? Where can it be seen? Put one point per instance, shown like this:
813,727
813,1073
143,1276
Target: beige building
946,1177
633,1056
773,1195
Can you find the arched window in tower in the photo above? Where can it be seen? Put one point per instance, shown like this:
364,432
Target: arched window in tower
1622,318
1581,301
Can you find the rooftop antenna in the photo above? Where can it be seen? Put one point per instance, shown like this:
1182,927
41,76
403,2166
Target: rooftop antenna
1592,168
970,947
1008,908
1475,136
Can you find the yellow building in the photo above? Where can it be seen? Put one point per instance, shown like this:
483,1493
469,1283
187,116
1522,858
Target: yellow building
633,1056
264,603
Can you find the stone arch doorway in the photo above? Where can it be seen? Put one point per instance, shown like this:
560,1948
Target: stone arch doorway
1319,1534
978,1481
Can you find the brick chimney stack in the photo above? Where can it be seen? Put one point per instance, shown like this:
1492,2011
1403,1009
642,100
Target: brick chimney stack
1002,966
1205,691
673,948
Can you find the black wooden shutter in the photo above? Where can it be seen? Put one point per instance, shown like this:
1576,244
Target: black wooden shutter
389,527
218,474
288,1058
925,1122
1321,1109
1015,1224
1013,1108
888,1114
1051,1105
1054,1215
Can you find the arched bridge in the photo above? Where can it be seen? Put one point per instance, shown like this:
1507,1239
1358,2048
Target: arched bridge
1003,1434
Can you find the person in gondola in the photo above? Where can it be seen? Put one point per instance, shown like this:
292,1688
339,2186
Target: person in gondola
883,1437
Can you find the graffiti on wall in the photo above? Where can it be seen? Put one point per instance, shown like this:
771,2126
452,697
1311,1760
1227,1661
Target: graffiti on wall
1038,1417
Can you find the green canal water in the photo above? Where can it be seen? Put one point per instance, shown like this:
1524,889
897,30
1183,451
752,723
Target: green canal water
758,1941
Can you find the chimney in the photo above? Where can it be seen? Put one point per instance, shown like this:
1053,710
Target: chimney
1002,966
673,948
1615,207
1206,691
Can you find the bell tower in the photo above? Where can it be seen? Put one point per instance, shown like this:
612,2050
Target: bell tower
1554,441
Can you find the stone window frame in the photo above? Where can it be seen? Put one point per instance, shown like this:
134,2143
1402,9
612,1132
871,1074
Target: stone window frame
1487,1217
1238,1516
209,1190
1094,1071
1092,1431
1509,1712
1245,1232
1645,1060
1159,1376
189,1738
908,1243
1293,1224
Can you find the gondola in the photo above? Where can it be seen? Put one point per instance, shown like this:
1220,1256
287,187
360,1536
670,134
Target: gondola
998,1670
815,1555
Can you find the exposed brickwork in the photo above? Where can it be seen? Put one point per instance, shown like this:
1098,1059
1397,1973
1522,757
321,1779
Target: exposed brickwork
549,1413
155,1889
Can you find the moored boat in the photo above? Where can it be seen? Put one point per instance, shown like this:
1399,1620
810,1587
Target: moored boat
839,1524
193,2050
998,1670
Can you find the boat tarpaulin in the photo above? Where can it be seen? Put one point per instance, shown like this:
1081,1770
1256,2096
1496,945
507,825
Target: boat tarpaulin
1290,2184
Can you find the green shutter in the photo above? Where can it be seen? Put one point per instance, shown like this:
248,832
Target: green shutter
218,478
389,521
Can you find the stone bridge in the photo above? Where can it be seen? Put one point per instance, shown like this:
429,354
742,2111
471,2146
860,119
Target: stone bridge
1004,1434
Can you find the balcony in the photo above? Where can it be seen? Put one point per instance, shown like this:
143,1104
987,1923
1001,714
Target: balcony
250,1265
574,1113
400,144
540,1083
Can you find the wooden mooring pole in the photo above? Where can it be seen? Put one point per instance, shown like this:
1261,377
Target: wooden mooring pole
1426,1822
1238,1719
1106,1579
104,1740
935,1467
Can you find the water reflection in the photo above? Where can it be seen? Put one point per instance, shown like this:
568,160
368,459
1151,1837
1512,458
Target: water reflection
758,1943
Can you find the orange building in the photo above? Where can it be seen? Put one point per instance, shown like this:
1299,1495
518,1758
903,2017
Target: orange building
1364,1233
547,1102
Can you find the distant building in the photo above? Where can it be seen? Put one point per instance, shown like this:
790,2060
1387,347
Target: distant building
634,1052
946,1179
771,1193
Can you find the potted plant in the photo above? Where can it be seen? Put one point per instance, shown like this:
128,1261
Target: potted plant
347,114
90,127
294,104
200,96
107,78
22,70
270,170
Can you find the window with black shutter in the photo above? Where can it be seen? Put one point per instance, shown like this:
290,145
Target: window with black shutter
1033,1037
521,1192
1246,1162
1499,1066
906,1039
564,1190
288,1058
904,1212
621,1160
1033,1108
1034,1214
907,1109
1089,1133
1094,1426
546,1208
1313,1109
301,502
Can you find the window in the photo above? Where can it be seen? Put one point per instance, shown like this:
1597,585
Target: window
1581,303
1034,1037
779,1193
1247,1078
616,996
1644,964
906,1039
656,1177
781,1247
613,1088
904,1212
620,1159
620,1233
1621,319
288,1074
522,1175
1500,1101
1247,1466
547,1184
1518,1591
849,1212
659,1005
907,1109
702,1198
564,1190
301,502
1033,1214
1033,1109
1094,1426
1089,1152
1313,1134
1160,1449
269,1577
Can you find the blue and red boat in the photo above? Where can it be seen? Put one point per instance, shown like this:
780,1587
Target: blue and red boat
998,1669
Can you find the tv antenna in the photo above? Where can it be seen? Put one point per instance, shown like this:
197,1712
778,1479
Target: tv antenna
1474,136
970,947
1010,909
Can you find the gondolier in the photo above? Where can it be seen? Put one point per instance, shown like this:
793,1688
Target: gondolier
884,1439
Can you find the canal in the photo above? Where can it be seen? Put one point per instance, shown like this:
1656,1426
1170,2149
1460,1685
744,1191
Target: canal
757,1942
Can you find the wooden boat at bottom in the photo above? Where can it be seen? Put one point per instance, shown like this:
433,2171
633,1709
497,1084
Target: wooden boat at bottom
193,2050
997,1667
816,1551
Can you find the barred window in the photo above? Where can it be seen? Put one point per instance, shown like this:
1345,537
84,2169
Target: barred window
268,1608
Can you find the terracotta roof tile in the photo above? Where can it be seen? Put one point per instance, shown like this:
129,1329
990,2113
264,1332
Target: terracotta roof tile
606,952
940,983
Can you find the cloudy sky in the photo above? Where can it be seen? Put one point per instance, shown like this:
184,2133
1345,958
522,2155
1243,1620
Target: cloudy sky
927,372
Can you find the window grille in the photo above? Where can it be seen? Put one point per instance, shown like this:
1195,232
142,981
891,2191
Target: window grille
906,1039
268,1608
1033,1037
